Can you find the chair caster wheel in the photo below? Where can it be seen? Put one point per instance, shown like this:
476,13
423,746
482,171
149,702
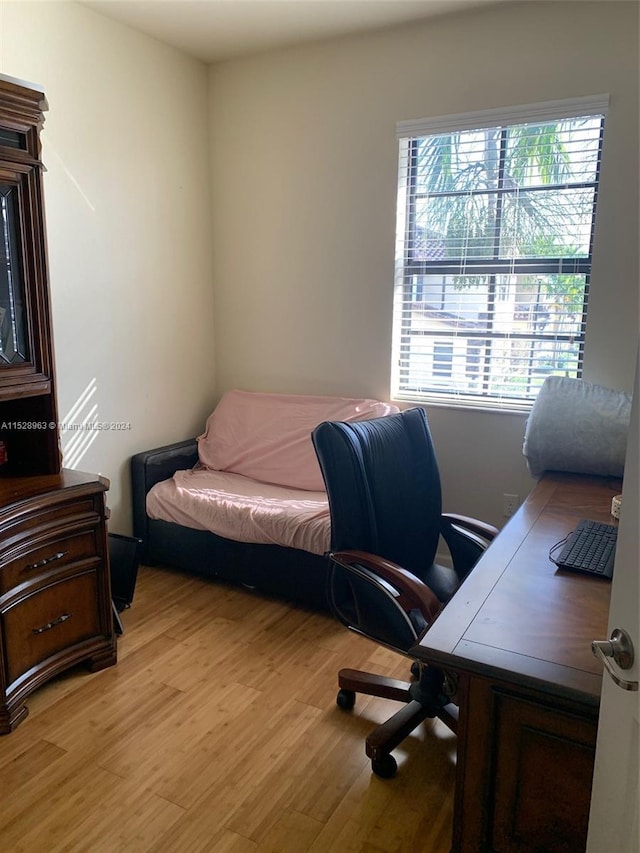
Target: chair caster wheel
415,670
385,767
346,699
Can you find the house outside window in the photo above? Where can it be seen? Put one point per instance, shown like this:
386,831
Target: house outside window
442,360
495,223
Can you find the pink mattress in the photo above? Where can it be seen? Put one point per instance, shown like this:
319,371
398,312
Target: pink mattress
239,508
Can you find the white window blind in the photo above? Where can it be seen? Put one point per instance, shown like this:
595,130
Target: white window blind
495,223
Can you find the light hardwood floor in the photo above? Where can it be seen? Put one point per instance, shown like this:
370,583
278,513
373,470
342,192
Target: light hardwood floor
218,731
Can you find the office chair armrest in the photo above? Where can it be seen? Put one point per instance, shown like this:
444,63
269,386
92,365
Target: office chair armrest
467,539
412,592
480,528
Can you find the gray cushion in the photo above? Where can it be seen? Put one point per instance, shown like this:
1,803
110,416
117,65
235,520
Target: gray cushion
577,426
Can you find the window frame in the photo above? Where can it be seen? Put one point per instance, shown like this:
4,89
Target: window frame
408,268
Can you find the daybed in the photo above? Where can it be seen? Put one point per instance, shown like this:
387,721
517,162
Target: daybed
245,501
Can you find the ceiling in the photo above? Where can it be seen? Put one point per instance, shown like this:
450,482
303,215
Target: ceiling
212,30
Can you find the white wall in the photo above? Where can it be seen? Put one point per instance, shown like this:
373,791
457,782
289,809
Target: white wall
302,146
304,182
127,194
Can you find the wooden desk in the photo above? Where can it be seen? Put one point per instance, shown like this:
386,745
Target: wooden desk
517,637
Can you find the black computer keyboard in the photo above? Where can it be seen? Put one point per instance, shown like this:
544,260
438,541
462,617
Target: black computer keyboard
590,548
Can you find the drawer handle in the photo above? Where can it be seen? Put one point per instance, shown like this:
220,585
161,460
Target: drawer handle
47,560
52,624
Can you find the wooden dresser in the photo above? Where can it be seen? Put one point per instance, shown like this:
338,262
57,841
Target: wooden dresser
55,600
55,605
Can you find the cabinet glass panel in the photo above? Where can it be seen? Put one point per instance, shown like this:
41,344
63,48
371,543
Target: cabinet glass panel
12,139
13,338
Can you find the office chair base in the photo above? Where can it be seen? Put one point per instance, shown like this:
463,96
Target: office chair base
387,736
385,767
370,684
346,699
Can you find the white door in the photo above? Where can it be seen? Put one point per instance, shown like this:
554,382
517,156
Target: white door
613,819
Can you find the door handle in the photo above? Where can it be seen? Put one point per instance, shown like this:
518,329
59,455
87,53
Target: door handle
620,648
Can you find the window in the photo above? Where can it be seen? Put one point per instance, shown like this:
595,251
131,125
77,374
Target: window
495,226
442,359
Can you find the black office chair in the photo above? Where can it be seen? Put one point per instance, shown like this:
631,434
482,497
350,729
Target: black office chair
384,495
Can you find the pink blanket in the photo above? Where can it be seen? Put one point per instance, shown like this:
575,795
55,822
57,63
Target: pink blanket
239,508
268,436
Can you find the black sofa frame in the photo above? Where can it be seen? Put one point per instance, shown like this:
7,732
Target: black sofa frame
283,572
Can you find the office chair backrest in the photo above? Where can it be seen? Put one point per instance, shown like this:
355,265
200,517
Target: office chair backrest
383,486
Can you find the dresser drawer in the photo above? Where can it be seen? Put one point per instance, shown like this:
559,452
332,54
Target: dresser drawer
30,523
47,554
52,619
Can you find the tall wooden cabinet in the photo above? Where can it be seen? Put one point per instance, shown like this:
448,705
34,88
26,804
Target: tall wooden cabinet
55,602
